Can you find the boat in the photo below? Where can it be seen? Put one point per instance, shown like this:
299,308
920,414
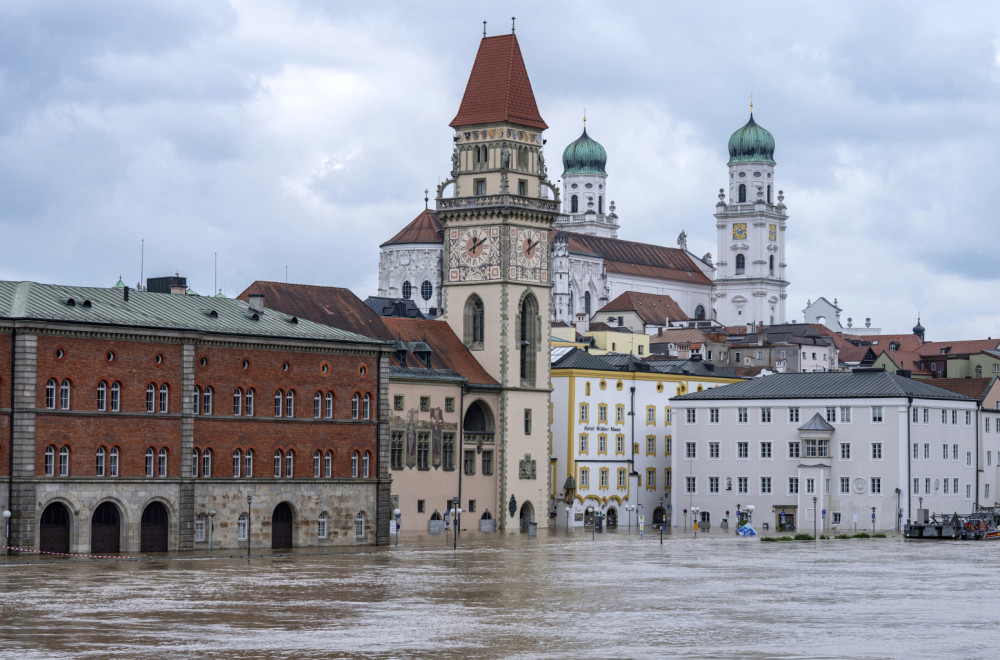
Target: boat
981,525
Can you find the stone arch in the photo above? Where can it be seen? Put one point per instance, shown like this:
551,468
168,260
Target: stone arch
55,526
107,523
474,322
154,526
526,515
528,336
283,518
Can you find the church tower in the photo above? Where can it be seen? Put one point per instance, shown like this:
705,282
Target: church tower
586,207
497,230
750,284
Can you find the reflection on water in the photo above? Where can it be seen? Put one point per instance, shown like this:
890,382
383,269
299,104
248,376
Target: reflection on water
558,595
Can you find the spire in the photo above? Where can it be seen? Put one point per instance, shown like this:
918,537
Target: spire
499,89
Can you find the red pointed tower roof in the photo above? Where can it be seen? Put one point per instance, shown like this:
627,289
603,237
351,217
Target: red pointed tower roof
425,228
498,88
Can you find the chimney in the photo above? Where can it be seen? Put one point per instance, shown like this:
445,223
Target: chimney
582,323
256,301
126,294
178,289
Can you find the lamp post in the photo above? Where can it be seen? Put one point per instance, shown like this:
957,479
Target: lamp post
628,509
663,520
6,522
456,511
873,520
695,510
685,520
249,500
815,536
568,510
398,515
211,530
899,510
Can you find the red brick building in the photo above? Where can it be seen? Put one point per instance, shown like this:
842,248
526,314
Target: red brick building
136,421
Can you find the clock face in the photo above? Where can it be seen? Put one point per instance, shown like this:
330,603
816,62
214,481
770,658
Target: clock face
473,254
473,243
740,230
772,232
529,254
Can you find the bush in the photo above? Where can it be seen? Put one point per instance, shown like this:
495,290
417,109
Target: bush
824,537
861,535
803,537
774,539
842,536
880,535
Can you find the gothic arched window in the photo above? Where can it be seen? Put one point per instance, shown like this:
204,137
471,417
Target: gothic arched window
771,264
743,192
699,313
600,204
574,204
586,303
741,264
474,322
407,290
426,290
529,338
769,194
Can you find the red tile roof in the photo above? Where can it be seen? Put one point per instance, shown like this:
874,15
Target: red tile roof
329,305
966,347
678,336
641,259
449,351
908,342
425,228
971,387
498,89
652,308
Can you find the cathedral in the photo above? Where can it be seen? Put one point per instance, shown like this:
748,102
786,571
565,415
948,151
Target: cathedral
587,265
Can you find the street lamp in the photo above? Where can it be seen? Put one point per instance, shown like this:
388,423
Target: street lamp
595,516
873,520
567,518
663,520
397,514
211,529
695,510
6,522
628,508
249,500
455,512
815,536
750,509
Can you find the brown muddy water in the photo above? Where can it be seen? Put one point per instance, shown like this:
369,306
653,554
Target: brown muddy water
561,595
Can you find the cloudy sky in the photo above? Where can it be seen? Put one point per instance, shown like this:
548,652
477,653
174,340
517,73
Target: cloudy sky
300,135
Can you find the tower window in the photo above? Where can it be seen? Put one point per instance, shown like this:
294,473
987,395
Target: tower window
407,290
426,289
529,336
480,187
522,188
574,204
600,204
770,264
743,192
474,322
586,303
769,194
699,313
741,264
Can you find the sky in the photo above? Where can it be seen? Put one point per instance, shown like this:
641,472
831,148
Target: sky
287,140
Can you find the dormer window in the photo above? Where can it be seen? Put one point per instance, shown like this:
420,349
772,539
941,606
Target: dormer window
894,346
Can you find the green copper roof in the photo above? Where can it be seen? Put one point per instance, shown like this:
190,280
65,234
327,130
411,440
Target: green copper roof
751,144
584,156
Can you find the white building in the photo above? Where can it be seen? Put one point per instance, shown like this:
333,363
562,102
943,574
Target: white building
612,434
850,444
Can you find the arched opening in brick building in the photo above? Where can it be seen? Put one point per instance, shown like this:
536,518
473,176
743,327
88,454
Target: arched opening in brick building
478,424
105,530
53,530
155,526
282,521
527,515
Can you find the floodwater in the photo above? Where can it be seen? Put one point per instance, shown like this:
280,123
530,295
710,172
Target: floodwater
561,595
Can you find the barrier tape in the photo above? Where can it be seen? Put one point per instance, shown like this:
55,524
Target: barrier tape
66,554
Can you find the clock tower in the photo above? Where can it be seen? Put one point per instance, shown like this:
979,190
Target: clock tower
750,285
497,229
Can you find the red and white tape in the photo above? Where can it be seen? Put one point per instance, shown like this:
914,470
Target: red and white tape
65,554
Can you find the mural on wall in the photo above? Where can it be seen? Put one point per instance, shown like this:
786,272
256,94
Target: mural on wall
411,439
437,421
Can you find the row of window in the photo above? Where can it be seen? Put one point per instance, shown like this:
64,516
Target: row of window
107,462
846,485
398,403
948,452
426,290
807,448
942,486
832,414
604,477
201,525
602,414
423,457
602,444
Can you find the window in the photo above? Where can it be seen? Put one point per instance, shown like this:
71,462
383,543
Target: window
250,397
584,478
64,395
425,403
968,418
927,417
248,464
620,444
968,458
150,398
397,402
449,404
794,450
163,462
876,451
396,450
237,401
831,414
530,338
480,187
692,416
927,486
50,394
355,405
741,415
64,462
810,486
317,464
196,400
713,450
741,261
954,452
765,415
954,415
650,415
317,405
237,463
622,478
426,290
407,290
102,396
354,464
289,463
690,450
241,527
817,448
765,485
448,452
927,451
845,485
321,525
690,484
116,397
602,413
845,414
765,450
99,468
742,450
916,486
290,403
113,462
327,464
650,478
279,398
793,415
206,463
150,459
986,421
793,485
713,485
474,322
946,486
713,415
742,485
164,397
619,414
876,485
602,444
277,463
583,443
366,406
527,421
968,490
366,460
845,451
423,450
469,461
944,416
207,400
199,528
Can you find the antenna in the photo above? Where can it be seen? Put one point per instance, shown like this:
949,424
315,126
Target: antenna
142,260
426,199
215,281
751,103
484,29
512,25
585,118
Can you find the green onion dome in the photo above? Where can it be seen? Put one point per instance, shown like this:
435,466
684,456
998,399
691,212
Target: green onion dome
751,144
584,156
